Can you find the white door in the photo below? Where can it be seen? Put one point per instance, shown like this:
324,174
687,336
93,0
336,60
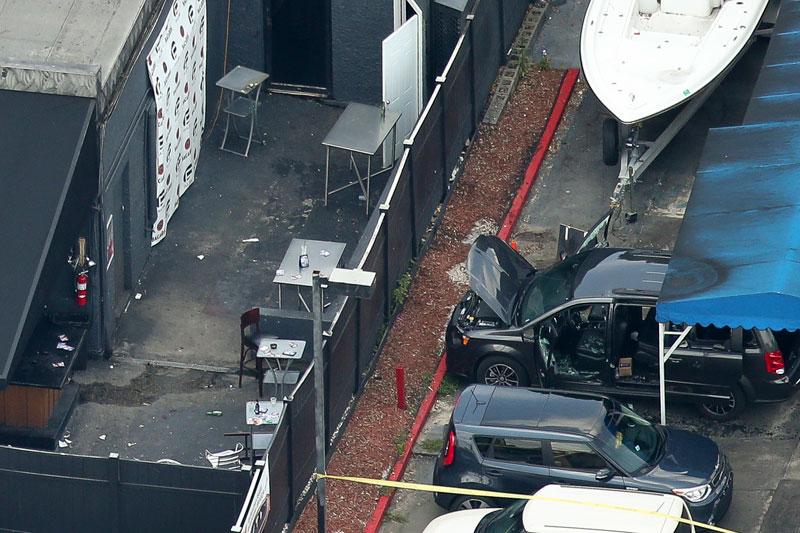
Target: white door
401,79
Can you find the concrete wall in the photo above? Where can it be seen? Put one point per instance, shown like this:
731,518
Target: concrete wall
358,28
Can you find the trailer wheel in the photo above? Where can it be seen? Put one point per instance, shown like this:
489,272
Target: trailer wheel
610,142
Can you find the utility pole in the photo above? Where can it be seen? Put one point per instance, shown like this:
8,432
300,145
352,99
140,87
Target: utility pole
319,392
354,283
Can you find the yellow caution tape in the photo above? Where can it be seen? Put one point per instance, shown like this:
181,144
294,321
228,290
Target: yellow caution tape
509,495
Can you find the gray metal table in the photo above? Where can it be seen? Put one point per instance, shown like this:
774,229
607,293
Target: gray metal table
322,255
246,83
360,129
275,351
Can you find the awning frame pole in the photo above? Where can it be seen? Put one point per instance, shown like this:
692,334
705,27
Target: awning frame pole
662,358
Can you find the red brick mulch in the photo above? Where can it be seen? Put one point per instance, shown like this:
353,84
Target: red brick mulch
493,170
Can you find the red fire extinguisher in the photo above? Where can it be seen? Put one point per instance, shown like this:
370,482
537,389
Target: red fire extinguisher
81,289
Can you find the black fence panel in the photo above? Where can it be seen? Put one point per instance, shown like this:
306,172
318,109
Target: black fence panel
42,494
45,491
398,222
484,31
372,311
513,15
427,165
279,461
458,94
163,497
342,364
303,434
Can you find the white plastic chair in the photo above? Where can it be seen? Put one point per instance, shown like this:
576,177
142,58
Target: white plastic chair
226,459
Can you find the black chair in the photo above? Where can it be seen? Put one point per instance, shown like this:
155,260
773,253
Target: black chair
251,336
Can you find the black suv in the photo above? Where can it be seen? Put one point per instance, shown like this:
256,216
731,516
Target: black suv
588,323
516,440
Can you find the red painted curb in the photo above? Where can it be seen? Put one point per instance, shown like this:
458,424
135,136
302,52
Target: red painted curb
567,85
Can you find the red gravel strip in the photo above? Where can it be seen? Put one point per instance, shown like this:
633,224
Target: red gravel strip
378,431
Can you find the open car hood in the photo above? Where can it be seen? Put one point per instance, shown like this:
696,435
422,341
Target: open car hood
496,273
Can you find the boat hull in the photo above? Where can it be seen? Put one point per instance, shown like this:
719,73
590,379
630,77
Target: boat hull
640,65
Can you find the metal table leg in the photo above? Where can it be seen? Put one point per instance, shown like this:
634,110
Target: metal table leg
369,174
327,171
227,124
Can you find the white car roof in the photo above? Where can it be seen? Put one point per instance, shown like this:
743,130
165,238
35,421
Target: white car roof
565,509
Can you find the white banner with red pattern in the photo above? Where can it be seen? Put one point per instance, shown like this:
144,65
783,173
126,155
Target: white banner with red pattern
177,68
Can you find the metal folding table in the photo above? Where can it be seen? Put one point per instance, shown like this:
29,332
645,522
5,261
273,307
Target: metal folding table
360,129
275,351
246,83
322,255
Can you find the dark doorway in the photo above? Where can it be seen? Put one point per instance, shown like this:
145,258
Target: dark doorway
300,45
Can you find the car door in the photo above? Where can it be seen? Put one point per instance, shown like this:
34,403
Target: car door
572,241
577,463
705,361
572,346
513,463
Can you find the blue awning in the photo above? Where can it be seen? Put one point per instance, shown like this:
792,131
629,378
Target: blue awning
736,261
776,95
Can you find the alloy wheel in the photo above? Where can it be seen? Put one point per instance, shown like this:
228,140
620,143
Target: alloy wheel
722,407
501,374
473,503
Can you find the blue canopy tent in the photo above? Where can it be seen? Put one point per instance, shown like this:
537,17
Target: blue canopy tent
736,261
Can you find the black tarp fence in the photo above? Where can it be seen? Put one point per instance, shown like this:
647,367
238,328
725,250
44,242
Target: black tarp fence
79,493
392,240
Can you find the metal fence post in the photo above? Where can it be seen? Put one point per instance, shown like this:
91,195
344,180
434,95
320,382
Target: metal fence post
287,419
410,163
387,289
357,367
114,482
440,81
471,39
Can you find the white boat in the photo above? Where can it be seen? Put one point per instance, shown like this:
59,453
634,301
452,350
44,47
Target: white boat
644,57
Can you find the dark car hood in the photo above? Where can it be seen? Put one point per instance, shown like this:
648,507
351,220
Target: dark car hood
496,273
689,460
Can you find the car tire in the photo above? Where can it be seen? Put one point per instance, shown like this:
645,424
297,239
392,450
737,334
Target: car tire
726,409
610,142
502,371
464,503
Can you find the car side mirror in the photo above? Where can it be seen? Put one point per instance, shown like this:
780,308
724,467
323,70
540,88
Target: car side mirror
529,334
604,474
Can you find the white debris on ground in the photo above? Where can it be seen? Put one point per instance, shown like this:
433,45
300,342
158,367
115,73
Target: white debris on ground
481,227
458,274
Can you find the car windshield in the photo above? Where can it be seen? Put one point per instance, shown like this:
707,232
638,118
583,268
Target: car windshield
629,440
547,290
508,520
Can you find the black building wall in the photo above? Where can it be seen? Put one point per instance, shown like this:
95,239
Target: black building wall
358,27
247,42
127,182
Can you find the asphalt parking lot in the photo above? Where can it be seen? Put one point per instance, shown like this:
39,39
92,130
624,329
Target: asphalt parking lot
573,188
